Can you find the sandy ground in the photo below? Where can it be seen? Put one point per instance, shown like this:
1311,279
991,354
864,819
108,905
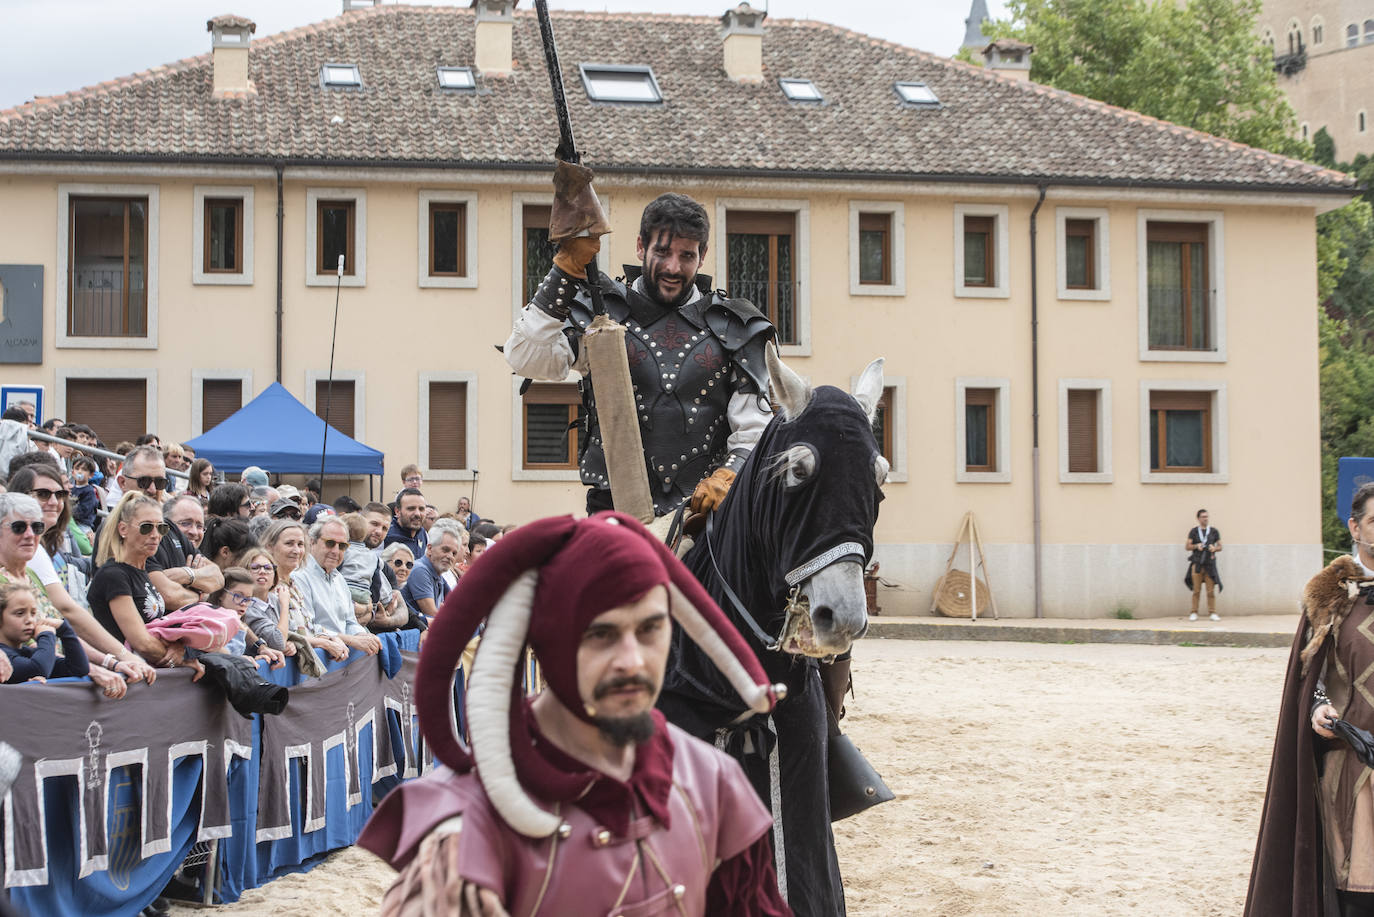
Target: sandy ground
1031,779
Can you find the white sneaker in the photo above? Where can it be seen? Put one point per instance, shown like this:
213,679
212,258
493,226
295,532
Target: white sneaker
1216,617
1193,616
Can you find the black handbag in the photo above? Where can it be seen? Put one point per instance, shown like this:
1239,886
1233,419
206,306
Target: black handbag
854,784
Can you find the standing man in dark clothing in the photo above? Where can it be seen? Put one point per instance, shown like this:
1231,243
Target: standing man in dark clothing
695,357
408,526
1204,541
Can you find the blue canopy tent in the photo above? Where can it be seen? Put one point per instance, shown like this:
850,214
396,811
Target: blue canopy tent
276,432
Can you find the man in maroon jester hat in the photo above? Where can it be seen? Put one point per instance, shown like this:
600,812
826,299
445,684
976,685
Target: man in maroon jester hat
583,800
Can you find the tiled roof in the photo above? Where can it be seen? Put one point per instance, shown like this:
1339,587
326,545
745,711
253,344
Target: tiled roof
989,127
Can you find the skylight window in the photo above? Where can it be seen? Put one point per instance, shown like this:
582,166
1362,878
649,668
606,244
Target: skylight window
608,83
801,90
340,75
917,94
456,78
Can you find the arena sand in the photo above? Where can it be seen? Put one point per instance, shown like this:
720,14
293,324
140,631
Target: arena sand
1030,780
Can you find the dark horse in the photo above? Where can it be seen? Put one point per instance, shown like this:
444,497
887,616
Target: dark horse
797,525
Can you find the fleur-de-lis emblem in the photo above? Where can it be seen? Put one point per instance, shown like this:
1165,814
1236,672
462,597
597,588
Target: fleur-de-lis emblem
670,338
94,732
709,358
634,353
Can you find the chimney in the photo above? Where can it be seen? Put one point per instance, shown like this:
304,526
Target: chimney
1009,57
350,5
743,33
494,32
229,37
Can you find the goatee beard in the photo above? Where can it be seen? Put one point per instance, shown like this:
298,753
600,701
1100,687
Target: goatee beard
626,730
651,287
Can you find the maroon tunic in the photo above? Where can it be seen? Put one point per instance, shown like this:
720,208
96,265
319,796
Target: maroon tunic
685,835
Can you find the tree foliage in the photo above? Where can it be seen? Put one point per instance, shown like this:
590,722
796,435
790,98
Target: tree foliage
1199,64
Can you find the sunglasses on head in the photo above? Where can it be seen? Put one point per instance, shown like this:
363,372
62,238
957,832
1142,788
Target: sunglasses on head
43,494
145,481
398,563
330,544
18,526
146,528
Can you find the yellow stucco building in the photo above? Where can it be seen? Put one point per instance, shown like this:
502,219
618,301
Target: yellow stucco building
875,200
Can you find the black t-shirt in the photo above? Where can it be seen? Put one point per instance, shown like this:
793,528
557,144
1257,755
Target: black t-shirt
115,579
173,551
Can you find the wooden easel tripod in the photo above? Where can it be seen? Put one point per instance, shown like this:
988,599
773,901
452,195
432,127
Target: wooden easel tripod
968,528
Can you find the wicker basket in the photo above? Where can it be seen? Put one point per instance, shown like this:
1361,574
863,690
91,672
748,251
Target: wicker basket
954,598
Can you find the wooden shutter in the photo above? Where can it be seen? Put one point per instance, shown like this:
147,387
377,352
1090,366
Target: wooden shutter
340,404
762,222
545,427
1082,421
448,425
117,409
219,398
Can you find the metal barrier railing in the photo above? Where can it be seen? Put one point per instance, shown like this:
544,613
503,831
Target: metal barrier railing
92,450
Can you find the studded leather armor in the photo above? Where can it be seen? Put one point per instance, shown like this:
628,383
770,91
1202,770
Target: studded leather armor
685,364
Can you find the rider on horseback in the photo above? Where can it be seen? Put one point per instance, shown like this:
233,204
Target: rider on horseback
696,357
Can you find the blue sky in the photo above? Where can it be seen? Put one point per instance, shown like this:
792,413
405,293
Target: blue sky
56,46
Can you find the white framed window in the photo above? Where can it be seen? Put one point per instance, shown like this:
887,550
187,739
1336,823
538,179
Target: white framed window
1267,37
890,425
108,239
1305,130
1085,431
981,261
916,95
1318,26
459,78
1352,35
982,430
216,394
348,401
448,425
616,83
561,467
1082,253
782,290
1361,121
222,235
797,90
340,76
1183,432
115,402
877,248
448,239
1181,275
335,224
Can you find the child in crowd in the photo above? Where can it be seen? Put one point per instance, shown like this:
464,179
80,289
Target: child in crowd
85,499
30,640
237,596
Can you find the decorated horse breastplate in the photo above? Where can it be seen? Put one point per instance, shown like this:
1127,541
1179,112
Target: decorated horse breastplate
681,376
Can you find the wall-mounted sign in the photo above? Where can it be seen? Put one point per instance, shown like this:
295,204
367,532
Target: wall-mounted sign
21,313
27,395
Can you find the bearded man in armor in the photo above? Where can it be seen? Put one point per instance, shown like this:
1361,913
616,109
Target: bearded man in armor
696,357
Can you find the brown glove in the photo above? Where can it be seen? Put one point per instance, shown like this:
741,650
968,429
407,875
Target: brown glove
711,492
574,254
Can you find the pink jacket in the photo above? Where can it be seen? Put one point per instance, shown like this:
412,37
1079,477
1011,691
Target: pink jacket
202,626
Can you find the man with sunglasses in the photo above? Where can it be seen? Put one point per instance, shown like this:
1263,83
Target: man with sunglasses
325,590
180,578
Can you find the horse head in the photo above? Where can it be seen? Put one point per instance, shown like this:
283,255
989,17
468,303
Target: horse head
818,486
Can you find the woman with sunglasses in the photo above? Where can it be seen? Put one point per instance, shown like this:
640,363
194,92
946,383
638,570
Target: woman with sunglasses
269,598
286,539
122,597
21,524
398,560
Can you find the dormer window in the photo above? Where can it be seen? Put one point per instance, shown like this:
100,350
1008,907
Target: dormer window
612,83
340,76
918,95
456,78
801,90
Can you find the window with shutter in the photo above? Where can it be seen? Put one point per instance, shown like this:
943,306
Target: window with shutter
338,401
117,409
448,425
759,265
219,398
1082,419
551,438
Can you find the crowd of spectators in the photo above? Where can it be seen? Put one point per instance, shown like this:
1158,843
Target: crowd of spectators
104,561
